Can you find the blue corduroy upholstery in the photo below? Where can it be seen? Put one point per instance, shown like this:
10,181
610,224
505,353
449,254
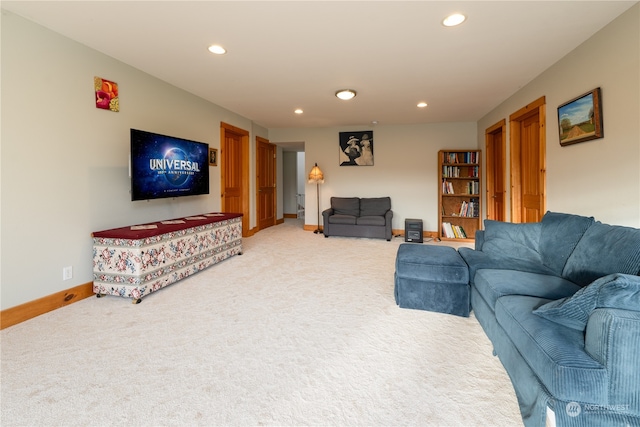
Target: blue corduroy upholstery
571,347
559,236
493,284
506,240
612,291
566,370
604,249
479,260
433,278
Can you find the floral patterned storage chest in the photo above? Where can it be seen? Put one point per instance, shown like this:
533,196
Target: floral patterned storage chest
135,261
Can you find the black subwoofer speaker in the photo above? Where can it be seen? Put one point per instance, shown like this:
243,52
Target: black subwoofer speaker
413,230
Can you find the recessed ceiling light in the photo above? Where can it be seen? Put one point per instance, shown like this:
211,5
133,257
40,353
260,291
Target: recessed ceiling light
422,104
453,20
217,49
298,111
346,94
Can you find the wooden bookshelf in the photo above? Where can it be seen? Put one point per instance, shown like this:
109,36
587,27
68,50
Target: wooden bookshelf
459,203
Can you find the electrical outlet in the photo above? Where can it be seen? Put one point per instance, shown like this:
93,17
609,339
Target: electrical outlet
67,273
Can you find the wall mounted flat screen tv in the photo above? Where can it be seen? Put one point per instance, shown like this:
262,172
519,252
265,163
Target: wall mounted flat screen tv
164,166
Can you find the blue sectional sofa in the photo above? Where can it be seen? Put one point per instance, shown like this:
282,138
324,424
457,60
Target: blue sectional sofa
560,301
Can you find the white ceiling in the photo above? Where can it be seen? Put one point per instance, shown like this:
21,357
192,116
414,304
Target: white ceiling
287,55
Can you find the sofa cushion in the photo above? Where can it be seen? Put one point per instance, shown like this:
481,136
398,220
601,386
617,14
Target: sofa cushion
604,249
508,240
555,353
346,205
559,236
493,284
342,219
477,260
371,220
613,291
441,264
373,206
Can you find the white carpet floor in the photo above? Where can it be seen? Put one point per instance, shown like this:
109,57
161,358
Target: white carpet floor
299,330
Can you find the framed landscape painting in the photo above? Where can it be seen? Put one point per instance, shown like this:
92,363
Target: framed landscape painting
580,119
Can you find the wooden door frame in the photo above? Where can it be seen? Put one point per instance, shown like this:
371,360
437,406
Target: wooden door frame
490,174
261,140
244,138
515,119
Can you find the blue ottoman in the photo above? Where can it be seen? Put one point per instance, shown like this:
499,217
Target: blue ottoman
433,278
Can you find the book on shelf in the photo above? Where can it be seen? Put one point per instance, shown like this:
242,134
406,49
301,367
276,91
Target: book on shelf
450,171
473,187
447,230
447,187
464,208
464,157
470,209
460,171
474,201
452,231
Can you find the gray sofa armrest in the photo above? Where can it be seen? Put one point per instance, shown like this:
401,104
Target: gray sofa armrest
388,219
325,220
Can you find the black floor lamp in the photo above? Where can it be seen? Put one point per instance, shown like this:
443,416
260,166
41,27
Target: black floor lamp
317,176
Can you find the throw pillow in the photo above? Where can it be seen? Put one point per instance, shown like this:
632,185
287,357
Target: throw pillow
613,291
346,205
559,236
374,206
508,240
604,249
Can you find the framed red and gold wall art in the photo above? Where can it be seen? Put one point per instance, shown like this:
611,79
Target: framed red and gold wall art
106,94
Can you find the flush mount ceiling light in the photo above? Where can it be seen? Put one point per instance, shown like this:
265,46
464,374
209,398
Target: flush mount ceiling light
217,49
346,94
298,111
453,20
422,104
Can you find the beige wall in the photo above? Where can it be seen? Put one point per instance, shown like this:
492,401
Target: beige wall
64,164
405,166
599,178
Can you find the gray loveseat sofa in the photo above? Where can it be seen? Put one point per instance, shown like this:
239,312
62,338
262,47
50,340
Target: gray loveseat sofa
358,217
560,301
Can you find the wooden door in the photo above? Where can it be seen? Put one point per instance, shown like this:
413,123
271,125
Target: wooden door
495,139
234,172
528,169
266,178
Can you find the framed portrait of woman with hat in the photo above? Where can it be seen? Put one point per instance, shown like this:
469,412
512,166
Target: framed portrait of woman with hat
356,148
